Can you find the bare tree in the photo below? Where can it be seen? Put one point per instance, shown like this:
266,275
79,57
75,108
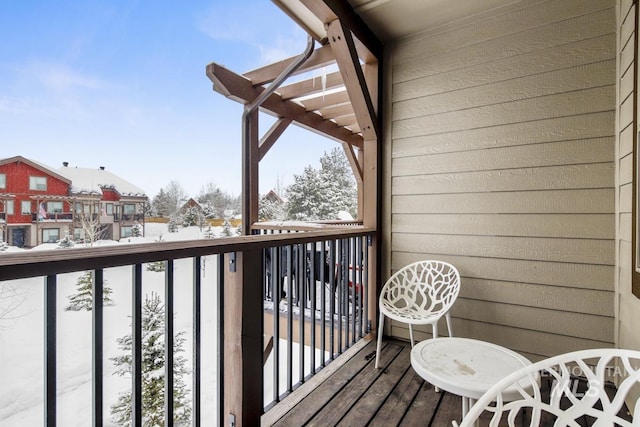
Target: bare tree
91,227
11,297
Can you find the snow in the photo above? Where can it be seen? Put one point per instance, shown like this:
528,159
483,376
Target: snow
22,338
87,180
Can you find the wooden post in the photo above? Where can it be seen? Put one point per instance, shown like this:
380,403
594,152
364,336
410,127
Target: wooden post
243,339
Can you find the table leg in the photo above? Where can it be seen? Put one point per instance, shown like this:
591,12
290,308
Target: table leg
465,406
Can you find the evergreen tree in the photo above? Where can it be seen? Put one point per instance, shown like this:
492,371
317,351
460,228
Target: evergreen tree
226,228
83,298
161,204
172,226
191,216
322,194
136,230
66,242
153,363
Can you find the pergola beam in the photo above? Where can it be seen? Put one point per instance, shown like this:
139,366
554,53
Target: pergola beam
240,88
343,46
319,58
270,138
311,86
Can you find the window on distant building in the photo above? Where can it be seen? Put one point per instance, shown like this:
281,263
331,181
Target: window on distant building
78,207
38,183
9,207
3,180
26,208
78,233
50,235
126,231
54,207
129,209
109,208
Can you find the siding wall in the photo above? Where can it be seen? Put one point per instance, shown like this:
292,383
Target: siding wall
503,163
629,305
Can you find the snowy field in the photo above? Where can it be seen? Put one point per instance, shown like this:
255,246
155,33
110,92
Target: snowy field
22,350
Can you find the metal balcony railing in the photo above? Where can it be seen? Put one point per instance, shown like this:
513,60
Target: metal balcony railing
312,292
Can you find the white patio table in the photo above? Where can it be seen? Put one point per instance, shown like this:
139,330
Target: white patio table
465,367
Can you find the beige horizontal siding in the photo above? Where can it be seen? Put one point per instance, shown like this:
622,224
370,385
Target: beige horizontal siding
589,226
503,163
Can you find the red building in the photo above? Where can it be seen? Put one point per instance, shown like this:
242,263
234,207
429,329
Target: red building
39,204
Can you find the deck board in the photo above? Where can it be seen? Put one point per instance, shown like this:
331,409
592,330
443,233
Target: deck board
357,394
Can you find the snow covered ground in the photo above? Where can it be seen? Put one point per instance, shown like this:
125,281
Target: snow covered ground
22,350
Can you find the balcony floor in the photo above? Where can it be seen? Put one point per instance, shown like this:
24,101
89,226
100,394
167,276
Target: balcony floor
357,394
351,392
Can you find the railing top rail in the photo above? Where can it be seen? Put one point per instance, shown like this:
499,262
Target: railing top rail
42,263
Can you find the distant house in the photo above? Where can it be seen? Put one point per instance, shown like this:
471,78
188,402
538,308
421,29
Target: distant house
35,206
191,203
39,204
97,193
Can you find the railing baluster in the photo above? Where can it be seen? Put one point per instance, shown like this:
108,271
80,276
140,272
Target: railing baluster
98,342
341,286
323,303
353,244
289,318
136,346
275,282
332,302
168,344
312,308
50,350
365,284
197,317
220,343
302,279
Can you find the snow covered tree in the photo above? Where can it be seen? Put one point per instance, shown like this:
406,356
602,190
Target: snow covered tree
215,202
226,228
208,233
4,246
322,194
161,204
66,242
82,299
192,216
271,209
136,230
153,365
172,226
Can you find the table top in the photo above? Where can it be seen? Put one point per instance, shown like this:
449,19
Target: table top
464,366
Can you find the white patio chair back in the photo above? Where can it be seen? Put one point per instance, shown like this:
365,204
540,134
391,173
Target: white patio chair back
587,384
419,294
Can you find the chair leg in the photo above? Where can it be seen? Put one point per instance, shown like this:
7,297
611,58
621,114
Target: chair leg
447,316
411,335
380,332
434,330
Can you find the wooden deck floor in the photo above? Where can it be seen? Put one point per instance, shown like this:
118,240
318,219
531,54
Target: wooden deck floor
354,393
357,394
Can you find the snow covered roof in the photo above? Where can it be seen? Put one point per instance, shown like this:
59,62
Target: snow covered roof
92,181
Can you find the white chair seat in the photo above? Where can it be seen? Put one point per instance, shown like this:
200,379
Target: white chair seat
420,293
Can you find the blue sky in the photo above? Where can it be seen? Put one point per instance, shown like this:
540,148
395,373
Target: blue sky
122,84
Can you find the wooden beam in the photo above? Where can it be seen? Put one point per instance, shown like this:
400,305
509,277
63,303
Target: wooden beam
330,10
356,167
336,111
272,136
310,86
243,339
347,121
241,89
319,58
323,101
341,42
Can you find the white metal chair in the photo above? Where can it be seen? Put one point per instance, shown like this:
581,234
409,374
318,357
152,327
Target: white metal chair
419,294
565,390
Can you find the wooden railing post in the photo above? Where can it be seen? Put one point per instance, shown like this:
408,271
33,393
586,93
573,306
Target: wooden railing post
243,339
